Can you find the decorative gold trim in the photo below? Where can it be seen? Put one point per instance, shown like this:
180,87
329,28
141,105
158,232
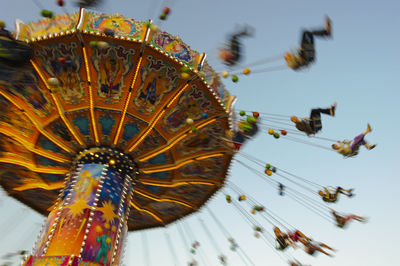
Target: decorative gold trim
179,165
58,105
146,211
161,200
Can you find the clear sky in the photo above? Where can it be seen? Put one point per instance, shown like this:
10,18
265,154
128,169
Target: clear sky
358,68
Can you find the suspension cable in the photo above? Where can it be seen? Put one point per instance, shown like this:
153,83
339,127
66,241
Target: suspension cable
316,185
146,249
184,240
236,68
213,242
255,203
273,216
264,70
252,158
265,60
308,205
274,120
296,183
270,180
269,114
293,195
171,248
259,162
264,237
307,142
229,236
192,238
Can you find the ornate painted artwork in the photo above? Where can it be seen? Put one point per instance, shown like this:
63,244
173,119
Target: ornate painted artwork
59,23
74,216
121,25
152,130
68,71
174,46
214,80
112,65
211,168
207,139
157,79
191,104
86,184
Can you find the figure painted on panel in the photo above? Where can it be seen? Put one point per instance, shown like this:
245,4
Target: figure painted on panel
148,94
178,50
62,62
163,39
85,185
152,87
188,108
105,244
173,46
111,72
70,87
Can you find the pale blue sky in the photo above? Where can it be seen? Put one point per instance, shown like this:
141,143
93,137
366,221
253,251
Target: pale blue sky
358,68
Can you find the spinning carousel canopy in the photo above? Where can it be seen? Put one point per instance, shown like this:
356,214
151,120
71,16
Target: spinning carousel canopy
110,81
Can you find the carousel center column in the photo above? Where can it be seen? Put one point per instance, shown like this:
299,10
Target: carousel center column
88,224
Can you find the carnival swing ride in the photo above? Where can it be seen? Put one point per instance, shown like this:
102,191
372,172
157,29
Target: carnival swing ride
110,125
